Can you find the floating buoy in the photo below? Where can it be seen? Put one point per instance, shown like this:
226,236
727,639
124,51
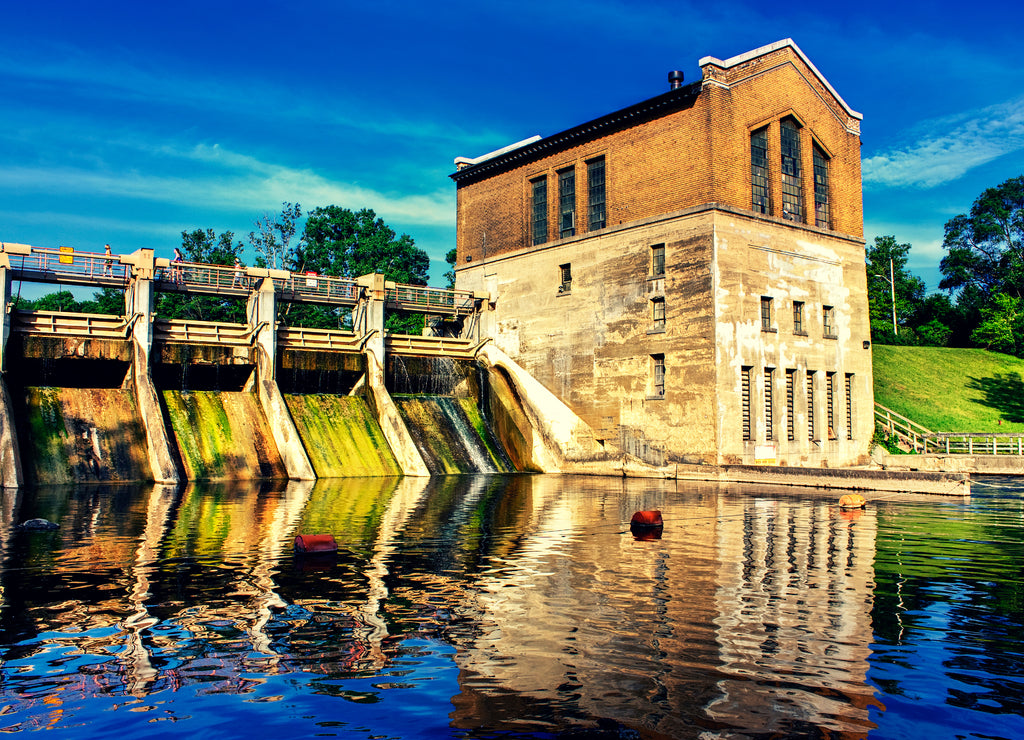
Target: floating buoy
647,519
315,543
647,525
852,501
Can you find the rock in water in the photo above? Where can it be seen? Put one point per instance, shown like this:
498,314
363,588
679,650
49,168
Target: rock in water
38,525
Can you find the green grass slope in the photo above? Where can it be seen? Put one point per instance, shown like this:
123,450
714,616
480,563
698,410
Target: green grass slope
951,390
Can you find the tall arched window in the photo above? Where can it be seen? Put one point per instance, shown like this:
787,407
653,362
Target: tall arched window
821,211
792,188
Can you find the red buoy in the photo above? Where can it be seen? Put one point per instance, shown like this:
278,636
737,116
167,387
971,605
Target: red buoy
313,543
647,519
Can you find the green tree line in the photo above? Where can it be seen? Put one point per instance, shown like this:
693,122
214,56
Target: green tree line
982,276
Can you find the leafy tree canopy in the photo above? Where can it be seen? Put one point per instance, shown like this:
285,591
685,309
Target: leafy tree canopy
887,260
985,248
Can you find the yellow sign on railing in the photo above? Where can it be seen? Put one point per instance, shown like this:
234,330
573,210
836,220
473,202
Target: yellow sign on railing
67,255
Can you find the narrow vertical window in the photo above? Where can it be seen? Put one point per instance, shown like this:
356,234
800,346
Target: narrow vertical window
798,317
658,260
828,317
791,405
821,215
658,313
745,377
658,377
849,405
566,203
760,190
769,378
830,412
596,194
792,188
766,313
565,273
539,205
810,404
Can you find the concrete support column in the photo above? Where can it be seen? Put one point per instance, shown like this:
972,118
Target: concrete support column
139,300
11,475
262,313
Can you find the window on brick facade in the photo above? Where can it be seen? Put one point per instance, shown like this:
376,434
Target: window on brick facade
810,404
746,376
828,321
658,374
798,317
658,312
821,208
792,187
596,195
658,259
769,405
539,205
766,313
565,272
760,189
566,203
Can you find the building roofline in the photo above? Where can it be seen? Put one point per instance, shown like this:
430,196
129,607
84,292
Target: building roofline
534,146
754,53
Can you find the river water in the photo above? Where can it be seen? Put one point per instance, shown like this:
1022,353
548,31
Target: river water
511,606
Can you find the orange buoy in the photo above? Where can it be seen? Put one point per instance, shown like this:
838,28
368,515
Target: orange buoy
315,543
647,519
852,501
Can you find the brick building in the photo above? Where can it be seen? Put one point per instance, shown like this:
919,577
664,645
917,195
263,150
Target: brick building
687,273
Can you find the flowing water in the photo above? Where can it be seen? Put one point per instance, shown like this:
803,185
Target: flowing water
483,606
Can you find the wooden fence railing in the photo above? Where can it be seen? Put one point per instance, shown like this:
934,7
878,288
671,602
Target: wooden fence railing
923,440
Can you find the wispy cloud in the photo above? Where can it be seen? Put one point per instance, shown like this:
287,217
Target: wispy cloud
952,147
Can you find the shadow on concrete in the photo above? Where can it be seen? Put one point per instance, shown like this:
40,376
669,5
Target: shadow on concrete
1003,392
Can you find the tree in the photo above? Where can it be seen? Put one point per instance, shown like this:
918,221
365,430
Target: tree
272,241
985,249
340,242
450,258
908,290
205,246
1002,325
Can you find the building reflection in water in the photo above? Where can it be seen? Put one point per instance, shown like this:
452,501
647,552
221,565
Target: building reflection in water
752,613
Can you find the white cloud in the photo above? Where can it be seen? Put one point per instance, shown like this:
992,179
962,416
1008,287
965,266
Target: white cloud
954,146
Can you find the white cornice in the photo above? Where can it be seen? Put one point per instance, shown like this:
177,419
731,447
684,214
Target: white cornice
746,57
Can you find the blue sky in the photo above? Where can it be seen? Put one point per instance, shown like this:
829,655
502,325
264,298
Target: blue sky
128,122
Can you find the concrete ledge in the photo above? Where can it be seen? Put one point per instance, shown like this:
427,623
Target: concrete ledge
934,463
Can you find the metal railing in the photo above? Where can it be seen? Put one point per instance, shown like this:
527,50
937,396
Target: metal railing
424,299
70,266
67,324
319,288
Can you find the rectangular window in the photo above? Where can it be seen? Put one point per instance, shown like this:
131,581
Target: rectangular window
766,313
830,412
658,312
798,317
769,378
849,405
539,205
566,203
828,325
760,190
596,194
565,272
820,189
658,367
791,405
810,404
658,259
792,187
745,376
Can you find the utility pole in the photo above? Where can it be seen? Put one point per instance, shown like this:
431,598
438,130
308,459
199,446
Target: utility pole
892,288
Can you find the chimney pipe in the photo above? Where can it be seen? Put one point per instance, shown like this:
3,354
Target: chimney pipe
675,80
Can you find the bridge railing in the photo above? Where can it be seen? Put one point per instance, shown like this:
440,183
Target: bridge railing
70,263
200,275
319,288
960,443
425,299
64,323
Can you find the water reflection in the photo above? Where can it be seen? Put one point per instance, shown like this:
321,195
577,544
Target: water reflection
468,606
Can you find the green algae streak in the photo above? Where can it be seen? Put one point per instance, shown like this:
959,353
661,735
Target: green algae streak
222,436
77,435
341,436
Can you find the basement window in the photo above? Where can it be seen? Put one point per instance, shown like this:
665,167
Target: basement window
565,271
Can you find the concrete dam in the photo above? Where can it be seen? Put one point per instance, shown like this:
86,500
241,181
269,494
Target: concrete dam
137,397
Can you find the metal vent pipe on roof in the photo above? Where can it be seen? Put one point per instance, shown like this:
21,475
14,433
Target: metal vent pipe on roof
675,79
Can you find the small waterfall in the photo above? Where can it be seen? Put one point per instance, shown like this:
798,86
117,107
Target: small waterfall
451,436
472,443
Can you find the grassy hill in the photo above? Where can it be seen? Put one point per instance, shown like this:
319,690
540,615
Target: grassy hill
951,390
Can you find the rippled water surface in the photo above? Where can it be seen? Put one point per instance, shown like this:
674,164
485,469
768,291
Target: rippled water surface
512,606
